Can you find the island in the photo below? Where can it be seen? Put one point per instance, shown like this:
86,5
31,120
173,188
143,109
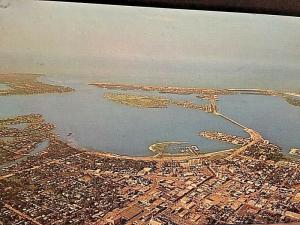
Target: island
138,100
28,84
144,101
161,89
208,93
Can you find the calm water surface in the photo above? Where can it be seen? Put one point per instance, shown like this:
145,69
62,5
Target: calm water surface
272,116
104,125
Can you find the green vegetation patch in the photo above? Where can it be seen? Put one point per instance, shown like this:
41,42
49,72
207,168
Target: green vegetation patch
138,100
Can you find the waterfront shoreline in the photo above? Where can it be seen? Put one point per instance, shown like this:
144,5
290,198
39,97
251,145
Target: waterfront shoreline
137,180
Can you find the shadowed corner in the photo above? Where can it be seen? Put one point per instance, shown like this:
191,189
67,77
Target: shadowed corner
271,7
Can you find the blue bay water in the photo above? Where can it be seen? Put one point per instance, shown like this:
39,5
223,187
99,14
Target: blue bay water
272,116
100,124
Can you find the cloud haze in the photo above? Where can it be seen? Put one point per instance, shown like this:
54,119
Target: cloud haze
68,38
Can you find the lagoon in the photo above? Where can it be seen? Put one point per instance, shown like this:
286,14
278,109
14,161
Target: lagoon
99,124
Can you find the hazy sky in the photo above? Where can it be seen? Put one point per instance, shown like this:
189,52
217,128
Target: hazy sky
70,38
